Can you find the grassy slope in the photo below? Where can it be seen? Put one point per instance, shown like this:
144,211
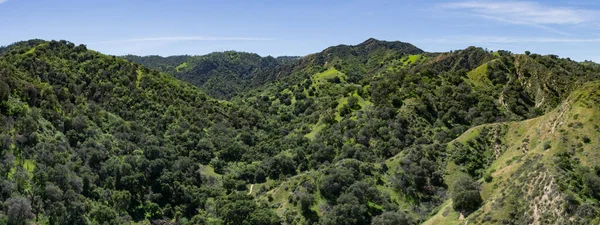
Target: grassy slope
328,74
526,165
321,81
412,59
478,76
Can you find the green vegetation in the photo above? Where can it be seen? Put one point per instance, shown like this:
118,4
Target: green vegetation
330,74
465,195
181,67
545,180
376,133
220,74
412,59
314,130
478,76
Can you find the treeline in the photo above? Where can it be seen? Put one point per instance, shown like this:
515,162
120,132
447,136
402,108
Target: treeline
221,74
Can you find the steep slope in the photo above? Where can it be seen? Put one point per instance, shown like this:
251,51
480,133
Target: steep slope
402,113
90,138
356,61
542,171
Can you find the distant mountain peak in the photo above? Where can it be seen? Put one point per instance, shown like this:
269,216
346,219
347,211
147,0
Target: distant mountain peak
372,43
369,41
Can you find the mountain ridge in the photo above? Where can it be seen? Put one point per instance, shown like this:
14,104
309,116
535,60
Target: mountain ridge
358,134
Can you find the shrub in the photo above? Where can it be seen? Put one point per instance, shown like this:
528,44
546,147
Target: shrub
466,195
547,145
335,182
18,210
391,218
592,184
306,201
488,177
586,139
587,210
4,91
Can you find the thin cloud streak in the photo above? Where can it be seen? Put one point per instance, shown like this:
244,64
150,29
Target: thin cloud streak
471,40
190,38
3,1
544,27
526,12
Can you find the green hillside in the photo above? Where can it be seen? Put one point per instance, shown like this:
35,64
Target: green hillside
412,113
220,74
375,133
541,171
90,138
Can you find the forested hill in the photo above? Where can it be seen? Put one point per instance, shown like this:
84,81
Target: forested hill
227,74
90,138
220,74
376,133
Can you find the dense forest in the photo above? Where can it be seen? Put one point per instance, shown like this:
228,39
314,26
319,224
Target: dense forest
376,133
220,74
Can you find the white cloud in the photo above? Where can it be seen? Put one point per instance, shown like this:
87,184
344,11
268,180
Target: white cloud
526,13
485,39
544,27
182,38
3,1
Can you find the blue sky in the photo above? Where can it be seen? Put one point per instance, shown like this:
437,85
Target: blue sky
286,27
